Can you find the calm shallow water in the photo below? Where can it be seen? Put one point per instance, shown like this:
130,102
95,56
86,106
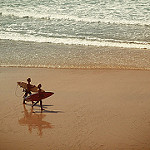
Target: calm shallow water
48,55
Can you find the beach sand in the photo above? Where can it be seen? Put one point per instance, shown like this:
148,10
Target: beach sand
90,110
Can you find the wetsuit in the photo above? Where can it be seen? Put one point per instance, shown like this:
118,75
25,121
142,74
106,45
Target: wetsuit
27,91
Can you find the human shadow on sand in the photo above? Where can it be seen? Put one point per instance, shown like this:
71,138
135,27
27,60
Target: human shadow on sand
35,110
44,106
48,111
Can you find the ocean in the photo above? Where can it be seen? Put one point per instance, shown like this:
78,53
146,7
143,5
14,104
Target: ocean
75,34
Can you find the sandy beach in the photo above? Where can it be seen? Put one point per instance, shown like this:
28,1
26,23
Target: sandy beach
99,109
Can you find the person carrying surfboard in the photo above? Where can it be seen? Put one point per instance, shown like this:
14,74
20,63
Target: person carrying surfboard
40,97
27,90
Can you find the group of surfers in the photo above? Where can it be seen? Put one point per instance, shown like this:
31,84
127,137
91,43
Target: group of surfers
28,92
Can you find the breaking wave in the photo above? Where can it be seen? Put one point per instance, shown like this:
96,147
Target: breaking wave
74,18
73,41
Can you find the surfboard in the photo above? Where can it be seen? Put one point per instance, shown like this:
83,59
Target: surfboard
35,97
24,86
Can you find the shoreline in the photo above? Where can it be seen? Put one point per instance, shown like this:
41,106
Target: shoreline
48,55
91,109
38,67
75,45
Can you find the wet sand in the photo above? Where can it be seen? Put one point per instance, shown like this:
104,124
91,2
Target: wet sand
90,110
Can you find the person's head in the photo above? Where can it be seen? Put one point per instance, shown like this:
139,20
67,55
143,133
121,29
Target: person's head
29,80
39,86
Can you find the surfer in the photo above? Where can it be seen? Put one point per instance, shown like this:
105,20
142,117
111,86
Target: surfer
27,90
40,97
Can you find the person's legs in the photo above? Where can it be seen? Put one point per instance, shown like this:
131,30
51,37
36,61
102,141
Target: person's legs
25,95
41,105
34,103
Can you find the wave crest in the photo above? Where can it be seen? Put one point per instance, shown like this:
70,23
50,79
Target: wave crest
72,18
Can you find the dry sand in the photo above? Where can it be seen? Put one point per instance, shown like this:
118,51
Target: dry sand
90,110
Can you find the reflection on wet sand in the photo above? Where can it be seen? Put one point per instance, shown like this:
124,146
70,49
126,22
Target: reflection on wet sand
33,121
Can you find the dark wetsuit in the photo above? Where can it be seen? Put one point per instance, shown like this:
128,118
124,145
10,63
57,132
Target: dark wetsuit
27,91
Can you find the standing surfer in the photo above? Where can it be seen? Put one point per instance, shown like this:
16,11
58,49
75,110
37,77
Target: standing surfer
40,97
27,90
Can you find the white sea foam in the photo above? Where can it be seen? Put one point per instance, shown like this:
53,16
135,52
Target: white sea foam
72,41
35,15
119,12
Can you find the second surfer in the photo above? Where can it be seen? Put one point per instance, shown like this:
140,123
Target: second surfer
40,97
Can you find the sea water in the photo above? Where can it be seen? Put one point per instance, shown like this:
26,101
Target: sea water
75,33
